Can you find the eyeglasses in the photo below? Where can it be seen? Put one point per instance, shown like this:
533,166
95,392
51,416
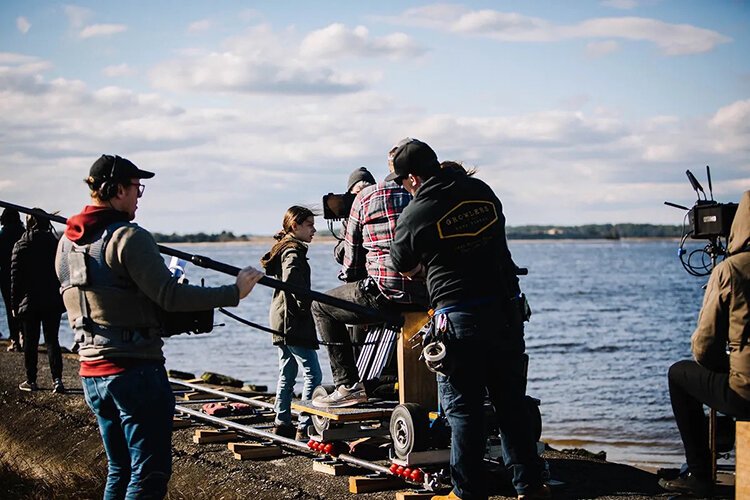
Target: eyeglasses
141,188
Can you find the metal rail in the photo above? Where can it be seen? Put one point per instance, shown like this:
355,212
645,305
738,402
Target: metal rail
242,428
253,431
228,395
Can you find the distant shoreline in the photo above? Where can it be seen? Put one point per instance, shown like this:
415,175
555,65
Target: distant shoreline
330,239
531,232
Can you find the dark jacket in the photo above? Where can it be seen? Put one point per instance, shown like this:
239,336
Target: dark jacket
9,235
35,290
723,320
290,314
455,227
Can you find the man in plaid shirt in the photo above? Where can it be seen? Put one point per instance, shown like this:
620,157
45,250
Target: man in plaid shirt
370,280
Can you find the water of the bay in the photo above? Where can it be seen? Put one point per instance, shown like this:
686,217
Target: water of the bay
609,317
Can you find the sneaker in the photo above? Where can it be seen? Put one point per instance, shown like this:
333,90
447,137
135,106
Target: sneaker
28,386
284,430
58,387
689,484
302,435
342,397
541,493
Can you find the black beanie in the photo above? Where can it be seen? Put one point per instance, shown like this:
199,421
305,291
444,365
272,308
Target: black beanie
360,174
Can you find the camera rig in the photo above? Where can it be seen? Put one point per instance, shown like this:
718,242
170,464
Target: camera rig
337,207
706,220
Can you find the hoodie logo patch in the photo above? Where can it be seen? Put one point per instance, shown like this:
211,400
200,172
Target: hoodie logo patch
468,218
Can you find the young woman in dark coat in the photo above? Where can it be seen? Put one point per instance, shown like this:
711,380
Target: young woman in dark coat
36,300
290,315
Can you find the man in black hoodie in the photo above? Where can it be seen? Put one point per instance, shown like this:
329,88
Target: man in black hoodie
11,230
454,233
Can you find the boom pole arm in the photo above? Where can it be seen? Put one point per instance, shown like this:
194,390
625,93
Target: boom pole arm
208,263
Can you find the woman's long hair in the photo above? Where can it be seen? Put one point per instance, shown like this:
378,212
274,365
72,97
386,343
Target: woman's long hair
295,214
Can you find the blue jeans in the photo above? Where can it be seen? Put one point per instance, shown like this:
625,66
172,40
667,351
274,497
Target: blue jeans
487,354
134,410
290,357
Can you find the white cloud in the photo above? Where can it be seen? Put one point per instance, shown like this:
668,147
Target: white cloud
14,58
733,116
599,49
620,4
118,70
337,40
95,30
245,163
77,16
672,39
731,125
20,69
257,62
200,26
23,24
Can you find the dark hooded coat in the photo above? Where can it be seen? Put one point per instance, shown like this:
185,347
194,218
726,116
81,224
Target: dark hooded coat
724,319
35,289
289,313
9,235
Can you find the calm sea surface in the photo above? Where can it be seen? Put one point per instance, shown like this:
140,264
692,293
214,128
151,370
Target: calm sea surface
609,317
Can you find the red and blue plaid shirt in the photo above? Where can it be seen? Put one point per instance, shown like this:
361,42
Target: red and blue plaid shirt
370,229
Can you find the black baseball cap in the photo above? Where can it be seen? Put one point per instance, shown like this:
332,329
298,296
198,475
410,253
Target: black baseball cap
116,168
412,156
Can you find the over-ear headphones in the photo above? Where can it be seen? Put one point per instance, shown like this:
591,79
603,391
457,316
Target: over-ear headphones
108,189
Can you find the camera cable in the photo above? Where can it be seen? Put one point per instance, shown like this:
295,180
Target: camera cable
276,332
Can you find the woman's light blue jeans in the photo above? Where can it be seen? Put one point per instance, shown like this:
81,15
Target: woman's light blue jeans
290,358
134,410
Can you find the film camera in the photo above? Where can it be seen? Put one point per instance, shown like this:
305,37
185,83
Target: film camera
706,220
337,206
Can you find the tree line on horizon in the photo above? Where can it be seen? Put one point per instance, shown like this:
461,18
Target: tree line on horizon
595,231
533,232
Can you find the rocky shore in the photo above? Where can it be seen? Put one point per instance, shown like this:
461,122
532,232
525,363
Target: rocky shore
50,448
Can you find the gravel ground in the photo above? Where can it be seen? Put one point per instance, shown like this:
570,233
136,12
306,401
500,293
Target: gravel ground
50,448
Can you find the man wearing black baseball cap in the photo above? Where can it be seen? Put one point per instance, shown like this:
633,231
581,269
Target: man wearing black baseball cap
411,156
109,174
454,231
114,283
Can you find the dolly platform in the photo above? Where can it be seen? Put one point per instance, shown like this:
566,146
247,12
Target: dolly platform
406,421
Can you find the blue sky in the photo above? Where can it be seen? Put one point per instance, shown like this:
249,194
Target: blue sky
575,112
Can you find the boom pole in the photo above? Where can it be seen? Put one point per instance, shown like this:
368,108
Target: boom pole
208,263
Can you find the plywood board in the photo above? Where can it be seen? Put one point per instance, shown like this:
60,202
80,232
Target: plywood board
417,384
365,411
334,469
251,451
203,436
413,495
365,484
742,473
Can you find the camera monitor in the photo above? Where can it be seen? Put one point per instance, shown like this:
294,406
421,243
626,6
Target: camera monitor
337,206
